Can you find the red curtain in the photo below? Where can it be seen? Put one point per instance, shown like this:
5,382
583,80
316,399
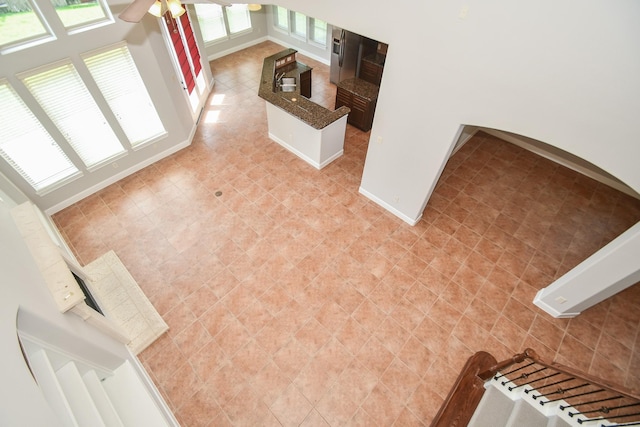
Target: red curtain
185,47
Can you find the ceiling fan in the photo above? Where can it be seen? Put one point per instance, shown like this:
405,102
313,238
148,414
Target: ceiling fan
136,10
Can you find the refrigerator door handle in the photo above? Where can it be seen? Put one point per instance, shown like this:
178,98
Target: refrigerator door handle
342,41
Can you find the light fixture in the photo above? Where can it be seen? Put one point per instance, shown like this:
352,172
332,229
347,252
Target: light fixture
156,9
160,7
175,8
253,7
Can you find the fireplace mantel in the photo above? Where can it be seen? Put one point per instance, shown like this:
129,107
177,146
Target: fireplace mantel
54,266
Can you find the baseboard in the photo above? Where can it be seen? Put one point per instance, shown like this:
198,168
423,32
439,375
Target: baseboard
562,161
396,212
296,152
236,48
331,159
464,141
157,397
117,177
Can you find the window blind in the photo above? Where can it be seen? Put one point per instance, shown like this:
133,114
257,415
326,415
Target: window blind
281,18
185,48
319,33
300,24
26,145
118,79
211,21
238,17
181,54
191,44
64,97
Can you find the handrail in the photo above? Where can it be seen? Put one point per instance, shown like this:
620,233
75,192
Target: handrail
531,354
587,398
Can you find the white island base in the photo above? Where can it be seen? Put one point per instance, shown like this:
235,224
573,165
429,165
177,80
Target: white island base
318,147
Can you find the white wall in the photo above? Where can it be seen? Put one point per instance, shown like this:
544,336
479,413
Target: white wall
148,49
605,273
564,73
23,289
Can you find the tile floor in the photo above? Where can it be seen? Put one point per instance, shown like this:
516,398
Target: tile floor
294,300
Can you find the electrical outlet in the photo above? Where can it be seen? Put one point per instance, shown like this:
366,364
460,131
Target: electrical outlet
379,140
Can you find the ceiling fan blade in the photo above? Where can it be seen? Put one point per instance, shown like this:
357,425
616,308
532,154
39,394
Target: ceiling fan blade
136,10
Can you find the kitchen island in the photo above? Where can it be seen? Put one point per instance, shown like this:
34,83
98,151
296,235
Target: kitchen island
312,132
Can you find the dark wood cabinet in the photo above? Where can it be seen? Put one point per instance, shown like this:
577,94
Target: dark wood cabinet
371,72
362,109
305,84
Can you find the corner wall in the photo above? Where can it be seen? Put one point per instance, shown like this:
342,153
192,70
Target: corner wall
564,73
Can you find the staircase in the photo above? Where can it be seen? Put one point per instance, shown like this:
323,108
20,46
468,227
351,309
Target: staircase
526,392
83,394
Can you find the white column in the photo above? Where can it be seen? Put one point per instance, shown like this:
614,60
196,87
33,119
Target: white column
610,270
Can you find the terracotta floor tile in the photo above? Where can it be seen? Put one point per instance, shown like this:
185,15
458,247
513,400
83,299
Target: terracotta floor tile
200,409
291,289
208,360
182,385
509,333
382,405
400,380
314,419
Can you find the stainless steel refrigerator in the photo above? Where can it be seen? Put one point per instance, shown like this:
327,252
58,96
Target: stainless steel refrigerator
345,53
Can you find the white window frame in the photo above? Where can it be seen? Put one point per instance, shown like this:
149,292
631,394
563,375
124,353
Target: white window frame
204,22
293,25
89,25
311,28
34,40
225,20
233,34
120,79
42,147
50,30
63,113
290,27
276,19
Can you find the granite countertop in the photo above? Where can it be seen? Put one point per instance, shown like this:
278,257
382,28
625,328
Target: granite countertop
360,87
295,104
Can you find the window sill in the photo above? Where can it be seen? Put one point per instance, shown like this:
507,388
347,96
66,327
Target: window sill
150,141
241,33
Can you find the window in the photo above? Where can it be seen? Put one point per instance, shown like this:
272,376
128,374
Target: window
186,56
28,147
318,32
281,18
64,97
296,24
75,13
238,17
299,27
23,25
121,85
217,22
211,20
20,23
